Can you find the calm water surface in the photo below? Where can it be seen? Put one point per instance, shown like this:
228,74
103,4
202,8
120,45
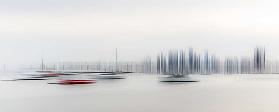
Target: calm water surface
144,93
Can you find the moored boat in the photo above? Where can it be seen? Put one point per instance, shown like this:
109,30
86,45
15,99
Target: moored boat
76,81
110,76
177,79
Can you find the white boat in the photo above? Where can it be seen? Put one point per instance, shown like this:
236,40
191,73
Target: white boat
177,79
110,76
33,78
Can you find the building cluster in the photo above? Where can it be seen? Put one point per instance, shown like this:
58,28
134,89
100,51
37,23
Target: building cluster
179,62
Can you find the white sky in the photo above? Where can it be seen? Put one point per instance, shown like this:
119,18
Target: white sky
88,30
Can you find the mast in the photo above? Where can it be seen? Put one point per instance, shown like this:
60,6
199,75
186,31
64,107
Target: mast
42,64
42,61
116,60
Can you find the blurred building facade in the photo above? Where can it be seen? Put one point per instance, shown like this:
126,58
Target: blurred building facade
181,62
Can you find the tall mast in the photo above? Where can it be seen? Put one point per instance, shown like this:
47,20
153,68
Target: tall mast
116,60
42,64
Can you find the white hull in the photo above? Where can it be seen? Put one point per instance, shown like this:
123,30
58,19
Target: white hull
175,79
110,77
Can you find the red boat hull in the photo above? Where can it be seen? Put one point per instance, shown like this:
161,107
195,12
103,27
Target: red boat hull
77,81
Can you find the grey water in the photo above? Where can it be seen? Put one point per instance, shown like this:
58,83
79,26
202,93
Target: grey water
145,93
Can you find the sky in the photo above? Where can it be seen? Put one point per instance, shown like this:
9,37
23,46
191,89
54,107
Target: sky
90,30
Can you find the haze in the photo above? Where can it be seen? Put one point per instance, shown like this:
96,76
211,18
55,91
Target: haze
90,30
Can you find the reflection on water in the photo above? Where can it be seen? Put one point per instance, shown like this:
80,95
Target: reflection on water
142,93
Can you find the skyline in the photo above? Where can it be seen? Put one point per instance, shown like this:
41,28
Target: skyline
90,30
175,62
139,55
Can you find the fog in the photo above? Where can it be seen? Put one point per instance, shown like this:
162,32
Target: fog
90,30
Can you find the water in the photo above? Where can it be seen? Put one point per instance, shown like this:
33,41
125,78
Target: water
144,93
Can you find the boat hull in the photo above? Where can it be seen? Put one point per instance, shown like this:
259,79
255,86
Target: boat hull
174,79
110,77
77,82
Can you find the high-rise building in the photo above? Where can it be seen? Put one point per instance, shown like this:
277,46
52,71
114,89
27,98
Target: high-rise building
259,60
231,65
245,65
191,60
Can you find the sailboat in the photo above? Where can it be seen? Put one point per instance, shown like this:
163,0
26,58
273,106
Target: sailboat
176,69
35,75
77,81
73,78
177,78
113,75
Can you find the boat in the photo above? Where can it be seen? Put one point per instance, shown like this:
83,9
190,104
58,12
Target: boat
86,81
33,78
113,75
74,79
110,76
177,78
